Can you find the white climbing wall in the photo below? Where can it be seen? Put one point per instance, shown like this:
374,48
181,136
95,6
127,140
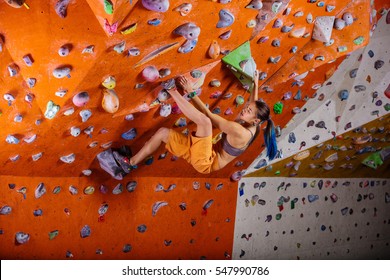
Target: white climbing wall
312,218
339,115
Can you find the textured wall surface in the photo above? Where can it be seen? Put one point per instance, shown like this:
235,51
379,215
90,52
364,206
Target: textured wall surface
196,214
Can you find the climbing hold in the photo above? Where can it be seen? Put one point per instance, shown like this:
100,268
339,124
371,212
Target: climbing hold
120,48
118,189
131,186
154,22
13,70
286,29
164,72
251,23
5,210
109,82
110,101
274,60
359,40
150,73
312,198
127,248
61,7
188,46
378,64
81,99
165,110
69,111
226,35
85,115
323,28
64,50
263,39
214,50
110,28
51,110
68,158
184,9
130,29
309,18
28,60
298,33
141,228
348,18
89,190
21,237
88,49
291,137
157,206
339,24
277,23
275,43
61,93
278,107
156,5
62,72
108,7
343,94
255,5
130,134
342,48
134,51
85,231
276,6
189,30
37,156
40,190
308,56
225,18
298,14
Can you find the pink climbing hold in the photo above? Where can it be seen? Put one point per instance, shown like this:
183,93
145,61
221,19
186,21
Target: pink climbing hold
81,99
150,74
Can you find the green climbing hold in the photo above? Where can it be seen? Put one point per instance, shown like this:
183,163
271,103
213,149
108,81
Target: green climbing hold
278,216
108,7
387,107
53,234
359,40
239,100
277,172
374,160
278,107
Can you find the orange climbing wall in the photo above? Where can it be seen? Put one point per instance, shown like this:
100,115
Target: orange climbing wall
42,35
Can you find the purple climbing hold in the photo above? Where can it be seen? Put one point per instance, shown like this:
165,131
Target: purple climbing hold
225,18
156,5
189,30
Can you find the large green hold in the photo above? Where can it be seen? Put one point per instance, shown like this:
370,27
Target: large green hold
241,63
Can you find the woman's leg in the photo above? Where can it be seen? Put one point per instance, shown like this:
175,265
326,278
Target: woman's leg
203,123
151,145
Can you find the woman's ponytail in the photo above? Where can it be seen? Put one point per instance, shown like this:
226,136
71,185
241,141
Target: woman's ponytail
270,140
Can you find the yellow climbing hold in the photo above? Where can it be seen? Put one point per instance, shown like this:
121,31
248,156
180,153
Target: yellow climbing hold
129,29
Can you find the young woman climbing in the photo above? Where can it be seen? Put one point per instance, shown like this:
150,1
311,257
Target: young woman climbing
197,148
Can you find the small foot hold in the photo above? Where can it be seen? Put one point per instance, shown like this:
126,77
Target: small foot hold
168,84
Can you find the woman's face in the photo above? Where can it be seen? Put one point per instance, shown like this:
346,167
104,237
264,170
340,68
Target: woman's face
249,113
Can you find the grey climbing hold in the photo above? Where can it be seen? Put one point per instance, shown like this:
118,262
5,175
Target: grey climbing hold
62,72
5,210
21,237
85,115
189,30
40,190
85,231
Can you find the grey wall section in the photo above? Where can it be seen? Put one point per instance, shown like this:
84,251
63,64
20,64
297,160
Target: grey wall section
312,218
